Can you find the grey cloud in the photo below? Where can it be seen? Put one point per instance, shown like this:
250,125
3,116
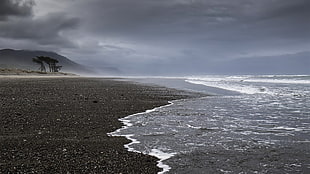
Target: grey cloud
209,29
180,20
168,33
297,8
15,8
155,16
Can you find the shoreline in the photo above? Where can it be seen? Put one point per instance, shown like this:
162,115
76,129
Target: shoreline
155,152
61,124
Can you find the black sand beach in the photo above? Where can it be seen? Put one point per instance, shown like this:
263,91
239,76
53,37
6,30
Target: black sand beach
60,125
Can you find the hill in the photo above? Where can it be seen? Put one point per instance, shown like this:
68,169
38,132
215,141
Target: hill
22,59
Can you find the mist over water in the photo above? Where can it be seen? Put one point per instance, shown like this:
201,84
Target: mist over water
262,128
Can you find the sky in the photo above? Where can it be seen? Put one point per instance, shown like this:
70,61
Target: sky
158,36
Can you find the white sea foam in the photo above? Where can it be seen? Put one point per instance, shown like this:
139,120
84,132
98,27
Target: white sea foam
287,128
247,84
245,89
194,127
133,141
154,152
162,156
288,81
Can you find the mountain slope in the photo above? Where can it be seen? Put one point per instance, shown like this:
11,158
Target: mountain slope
22,59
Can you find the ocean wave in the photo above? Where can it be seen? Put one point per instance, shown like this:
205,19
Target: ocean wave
251,84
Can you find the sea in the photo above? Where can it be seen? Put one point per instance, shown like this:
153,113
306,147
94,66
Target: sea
246,124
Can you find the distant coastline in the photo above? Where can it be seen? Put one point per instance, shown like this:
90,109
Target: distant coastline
16,71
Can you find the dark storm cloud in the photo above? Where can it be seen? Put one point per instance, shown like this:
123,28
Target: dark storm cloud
19,25
15,8
45,30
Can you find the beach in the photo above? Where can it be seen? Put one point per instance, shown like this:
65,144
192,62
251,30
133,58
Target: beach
60,124
213,124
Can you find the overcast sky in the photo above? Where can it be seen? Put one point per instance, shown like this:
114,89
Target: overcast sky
156,35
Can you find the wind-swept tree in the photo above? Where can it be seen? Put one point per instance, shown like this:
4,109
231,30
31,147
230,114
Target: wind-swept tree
58,68
41,63
50,62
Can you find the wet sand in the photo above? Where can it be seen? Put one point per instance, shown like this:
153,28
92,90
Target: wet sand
60,125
